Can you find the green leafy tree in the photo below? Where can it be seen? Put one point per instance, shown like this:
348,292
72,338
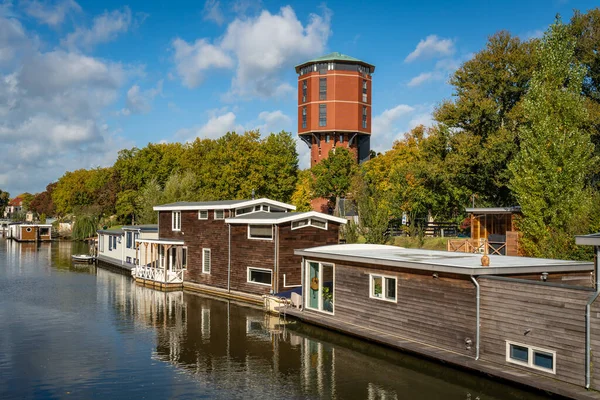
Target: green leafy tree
280,166
150,196
556,156
126,206
333,176
4,199
303,195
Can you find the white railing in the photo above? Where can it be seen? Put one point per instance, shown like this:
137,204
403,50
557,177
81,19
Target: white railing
158,274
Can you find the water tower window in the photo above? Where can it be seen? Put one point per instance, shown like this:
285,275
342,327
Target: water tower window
304,89
364,96
322,114
341,138
364,117
322,88
327,138
303,117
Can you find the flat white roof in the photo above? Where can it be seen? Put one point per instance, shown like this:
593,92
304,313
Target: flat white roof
440,261
271,218
221,205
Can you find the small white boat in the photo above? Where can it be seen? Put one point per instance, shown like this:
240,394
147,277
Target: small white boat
83,258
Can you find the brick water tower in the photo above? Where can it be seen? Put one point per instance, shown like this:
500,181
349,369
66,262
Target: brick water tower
334,107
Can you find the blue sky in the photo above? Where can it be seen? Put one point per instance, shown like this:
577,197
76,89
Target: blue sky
81,80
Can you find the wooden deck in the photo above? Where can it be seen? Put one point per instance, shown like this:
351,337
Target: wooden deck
520,377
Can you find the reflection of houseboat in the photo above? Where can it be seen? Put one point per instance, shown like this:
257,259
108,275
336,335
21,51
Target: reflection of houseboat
519,318
493,231
30,232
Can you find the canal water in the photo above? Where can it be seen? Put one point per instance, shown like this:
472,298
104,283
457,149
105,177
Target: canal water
83,332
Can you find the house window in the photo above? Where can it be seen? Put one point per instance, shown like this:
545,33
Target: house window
304,89
129,240
322,88
364,117
219,214
128,260
320,286
203,214
260,276
205,261
382,287
44,231
303,117
241,211
114,242
260,232
176,220
317,223
532,357
184,258
341,138
364,91
322,114
101,244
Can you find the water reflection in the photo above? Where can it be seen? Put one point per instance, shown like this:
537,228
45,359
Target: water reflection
240,352
85,332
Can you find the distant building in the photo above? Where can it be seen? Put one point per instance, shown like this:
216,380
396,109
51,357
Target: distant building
14,207
334,108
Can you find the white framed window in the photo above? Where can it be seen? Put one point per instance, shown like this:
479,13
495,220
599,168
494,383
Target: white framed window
530,356
241,211
382,287
176,220
219,214
184,254
319,286
303,223
263,232
260,276
203,214
206,261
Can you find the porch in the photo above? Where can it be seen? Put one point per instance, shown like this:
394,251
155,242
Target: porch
161,263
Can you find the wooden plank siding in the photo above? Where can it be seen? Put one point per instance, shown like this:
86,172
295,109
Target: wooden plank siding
198,234
435,311
595,344
245,252
574,278
544,316
306,237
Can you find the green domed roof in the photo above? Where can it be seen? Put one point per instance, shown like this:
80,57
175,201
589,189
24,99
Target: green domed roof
335,56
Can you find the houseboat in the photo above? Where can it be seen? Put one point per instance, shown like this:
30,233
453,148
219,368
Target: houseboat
30,232
533,321
117,247
493,231
242,248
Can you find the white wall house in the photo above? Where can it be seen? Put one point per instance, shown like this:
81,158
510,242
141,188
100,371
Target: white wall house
118,246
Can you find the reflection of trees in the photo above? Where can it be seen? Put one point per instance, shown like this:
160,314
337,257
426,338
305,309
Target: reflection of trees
235,351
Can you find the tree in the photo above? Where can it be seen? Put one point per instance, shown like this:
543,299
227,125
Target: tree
42,202
303,194
556,156
333,175
280,166
4,199
126,206
148,197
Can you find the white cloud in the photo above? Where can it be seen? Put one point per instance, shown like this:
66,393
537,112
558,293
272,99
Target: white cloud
387,125
12,39
217,125
105,28
192,60
431,46
273,122
424,77
51,106
212,12
50,14
140,102
266,45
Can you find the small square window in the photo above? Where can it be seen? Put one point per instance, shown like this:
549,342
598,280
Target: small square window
543,360
260,232
203,214
219,214
519,353
383,287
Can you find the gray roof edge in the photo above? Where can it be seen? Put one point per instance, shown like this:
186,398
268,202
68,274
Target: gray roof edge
583,266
